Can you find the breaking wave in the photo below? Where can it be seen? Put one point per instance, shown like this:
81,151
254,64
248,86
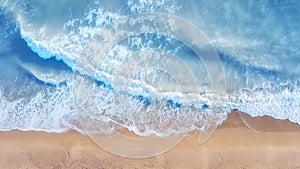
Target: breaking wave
46,70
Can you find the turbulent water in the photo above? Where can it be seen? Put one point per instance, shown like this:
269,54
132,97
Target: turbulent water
148,82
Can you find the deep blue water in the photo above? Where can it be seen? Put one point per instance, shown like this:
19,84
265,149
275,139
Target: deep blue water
46,51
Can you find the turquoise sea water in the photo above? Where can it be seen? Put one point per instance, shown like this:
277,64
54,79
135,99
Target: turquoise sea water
45,54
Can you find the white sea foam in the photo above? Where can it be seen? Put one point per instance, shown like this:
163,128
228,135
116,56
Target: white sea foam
51,109
262,72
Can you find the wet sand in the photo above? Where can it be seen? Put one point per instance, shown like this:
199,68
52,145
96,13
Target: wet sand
274,144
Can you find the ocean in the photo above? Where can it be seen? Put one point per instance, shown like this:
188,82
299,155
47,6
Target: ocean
153,67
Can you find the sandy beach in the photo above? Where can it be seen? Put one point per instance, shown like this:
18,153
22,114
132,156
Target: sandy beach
275,145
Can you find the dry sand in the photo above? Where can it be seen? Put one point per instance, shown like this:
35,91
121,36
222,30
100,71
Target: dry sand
233,145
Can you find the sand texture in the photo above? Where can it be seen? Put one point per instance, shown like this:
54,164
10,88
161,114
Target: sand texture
274,144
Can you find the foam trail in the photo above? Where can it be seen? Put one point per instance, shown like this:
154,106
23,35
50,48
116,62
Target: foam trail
47,75
257,43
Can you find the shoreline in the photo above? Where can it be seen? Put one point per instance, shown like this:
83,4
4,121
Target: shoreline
276,144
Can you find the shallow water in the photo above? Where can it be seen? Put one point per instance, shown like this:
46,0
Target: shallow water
150,82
